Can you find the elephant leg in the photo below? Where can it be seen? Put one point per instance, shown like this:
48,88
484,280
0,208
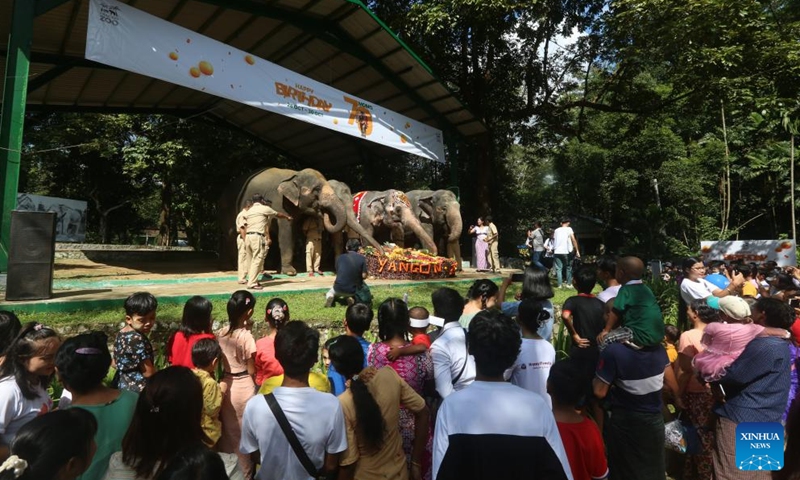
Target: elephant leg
398,235
286,244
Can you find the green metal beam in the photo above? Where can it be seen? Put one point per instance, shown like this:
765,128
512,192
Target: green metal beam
44,6
15,93
178,112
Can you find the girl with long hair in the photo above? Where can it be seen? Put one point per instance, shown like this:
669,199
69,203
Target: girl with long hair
371,406
267,366
56,446
535,286
393,323
481,232
238,365
24,377
482,295
195,325
167,420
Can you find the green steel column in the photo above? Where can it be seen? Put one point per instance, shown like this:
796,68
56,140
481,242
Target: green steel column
12,120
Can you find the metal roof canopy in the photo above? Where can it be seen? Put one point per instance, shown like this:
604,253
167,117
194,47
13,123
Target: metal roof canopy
337,42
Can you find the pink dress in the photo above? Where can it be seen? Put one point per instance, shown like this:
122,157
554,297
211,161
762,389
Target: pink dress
724,343
415,370
237,388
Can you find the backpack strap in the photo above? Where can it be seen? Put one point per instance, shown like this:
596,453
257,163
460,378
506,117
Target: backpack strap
288,431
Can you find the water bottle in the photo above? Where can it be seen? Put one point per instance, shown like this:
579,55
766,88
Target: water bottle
405,298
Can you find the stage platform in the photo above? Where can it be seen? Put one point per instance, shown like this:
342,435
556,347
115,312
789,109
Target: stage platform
82,284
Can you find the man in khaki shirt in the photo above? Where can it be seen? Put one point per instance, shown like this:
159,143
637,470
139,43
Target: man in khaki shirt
257,220
312,228
241,230
492,239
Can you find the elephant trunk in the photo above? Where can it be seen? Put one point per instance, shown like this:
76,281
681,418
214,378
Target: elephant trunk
409,220
331,205
353,224
453,217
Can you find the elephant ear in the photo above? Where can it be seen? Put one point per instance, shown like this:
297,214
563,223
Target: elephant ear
426,204
289,189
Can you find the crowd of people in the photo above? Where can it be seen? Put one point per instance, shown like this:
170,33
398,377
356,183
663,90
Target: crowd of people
472,389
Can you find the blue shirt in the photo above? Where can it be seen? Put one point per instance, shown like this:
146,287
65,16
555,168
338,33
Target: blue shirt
720,281
757,383
337,379
636,376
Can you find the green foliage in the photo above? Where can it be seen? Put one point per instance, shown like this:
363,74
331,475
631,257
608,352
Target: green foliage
666,294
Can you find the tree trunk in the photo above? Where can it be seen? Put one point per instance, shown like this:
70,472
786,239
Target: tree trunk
726,181
165,217
791,173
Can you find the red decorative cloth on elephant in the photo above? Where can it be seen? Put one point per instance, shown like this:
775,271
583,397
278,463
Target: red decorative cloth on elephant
402,198
357,204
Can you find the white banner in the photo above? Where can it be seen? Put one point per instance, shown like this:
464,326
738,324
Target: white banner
70,214
781,251
127,38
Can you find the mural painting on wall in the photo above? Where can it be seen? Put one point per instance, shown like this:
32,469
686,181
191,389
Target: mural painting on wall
70,214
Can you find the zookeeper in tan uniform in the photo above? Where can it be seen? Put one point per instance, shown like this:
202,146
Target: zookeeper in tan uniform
492,239
241,230
312,229
257,219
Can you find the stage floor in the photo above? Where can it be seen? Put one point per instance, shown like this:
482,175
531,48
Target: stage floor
88,285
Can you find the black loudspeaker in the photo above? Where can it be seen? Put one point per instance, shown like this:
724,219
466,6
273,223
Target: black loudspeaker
31,255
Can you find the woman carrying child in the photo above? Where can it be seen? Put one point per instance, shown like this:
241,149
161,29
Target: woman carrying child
195,325
238,364
24,378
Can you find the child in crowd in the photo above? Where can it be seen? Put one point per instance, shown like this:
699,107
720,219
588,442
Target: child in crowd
419,320
671,337
583,315
580,436
24,377
726,339
9,328
238,365
357,320
276,316
58,445
82,363
195,462
133,352
195,325
205,354
635,318
536,355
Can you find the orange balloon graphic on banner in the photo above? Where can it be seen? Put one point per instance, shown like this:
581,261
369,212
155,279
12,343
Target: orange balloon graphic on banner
173,55
249,59
195,72
206,68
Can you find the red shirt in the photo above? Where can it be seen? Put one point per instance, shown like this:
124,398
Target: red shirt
421,339
585,450
179,348
267,366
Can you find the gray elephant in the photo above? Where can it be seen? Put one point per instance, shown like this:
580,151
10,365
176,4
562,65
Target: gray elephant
295,193
440,215
353,228
390,212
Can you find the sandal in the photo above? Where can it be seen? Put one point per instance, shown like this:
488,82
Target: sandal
256,287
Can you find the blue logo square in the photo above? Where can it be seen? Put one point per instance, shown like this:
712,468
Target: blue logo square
759,446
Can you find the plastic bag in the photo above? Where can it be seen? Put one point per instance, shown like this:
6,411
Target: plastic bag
675,436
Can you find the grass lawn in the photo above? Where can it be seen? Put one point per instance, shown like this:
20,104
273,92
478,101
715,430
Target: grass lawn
307,306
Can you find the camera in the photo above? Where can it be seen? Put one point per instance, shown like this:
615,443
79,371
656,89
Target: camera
517,277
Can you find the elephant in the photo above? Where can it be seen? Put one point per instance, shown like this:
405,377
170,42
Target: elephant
295,193
390,211
440,215
353,228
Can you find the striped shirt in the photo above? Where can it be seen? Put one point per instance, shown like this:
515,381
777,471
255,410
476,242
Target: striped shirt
636,376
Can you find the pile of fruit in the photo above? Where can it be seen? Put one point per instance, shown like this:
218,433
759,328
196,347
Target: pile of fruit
393,262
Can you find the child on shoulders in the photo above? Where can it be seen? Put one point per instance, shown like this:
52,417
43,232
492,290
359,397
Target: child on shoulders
635,318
